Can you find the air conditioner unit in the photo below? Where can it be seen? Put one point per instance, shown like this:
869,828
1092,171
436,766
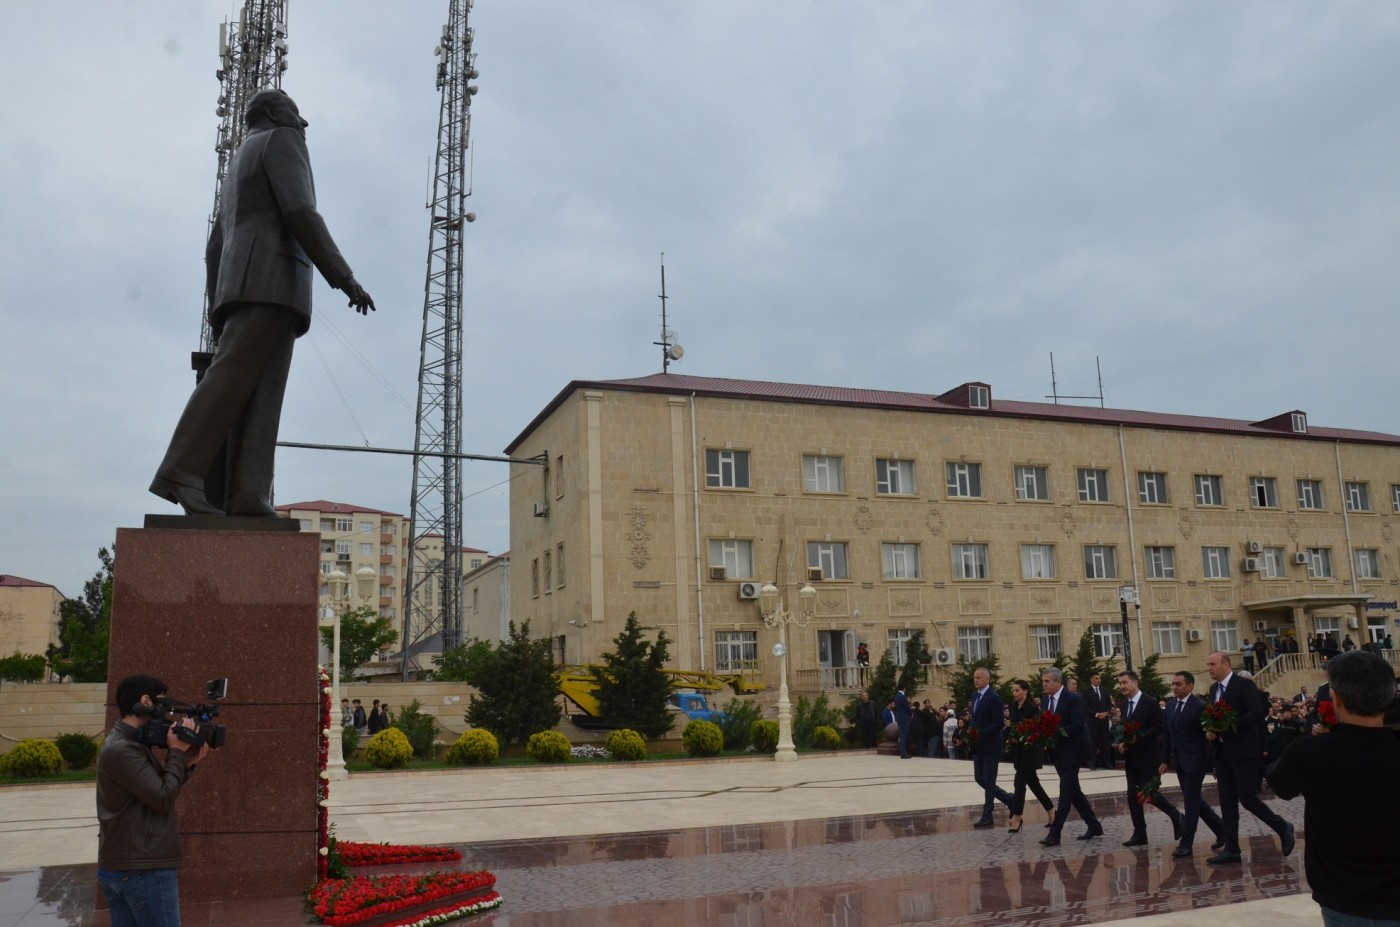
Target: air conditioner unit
1195,635
1256,547
814,574
716,573
750,590
1251,564
944,656
541,509
1300,558
1261,626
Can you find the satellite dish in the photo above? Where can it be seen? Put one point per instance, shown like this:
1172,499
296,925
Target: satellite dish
675,352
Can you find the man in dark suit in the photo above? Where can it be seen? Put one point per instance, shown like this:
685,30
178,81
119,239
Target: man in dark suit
1184,746
989,718
1097,703
1237,760
265,239
902,714
1142,757
1068,754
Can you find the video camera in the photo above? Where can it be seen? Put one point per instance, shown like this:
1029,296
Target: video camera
153,733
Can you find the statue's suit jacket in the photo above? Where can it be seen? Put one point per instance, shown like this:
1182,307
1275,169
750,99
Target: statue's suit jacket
268,233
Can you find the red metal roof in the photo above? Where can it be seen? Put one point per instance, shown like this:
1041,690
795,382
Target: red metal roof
7,579
326,507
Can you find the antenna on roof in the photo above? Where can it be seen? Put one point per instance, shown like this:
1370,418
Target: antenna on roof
670,351
1055,393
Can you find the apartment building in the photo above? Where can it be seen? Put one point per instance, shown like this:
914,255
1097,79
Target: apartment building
29,615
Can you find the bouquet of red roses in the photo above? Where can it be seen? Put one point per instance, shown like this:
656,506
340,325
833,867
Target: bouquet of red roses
1038,731
1127,733
1149,791
1327,715
971,736
1218,718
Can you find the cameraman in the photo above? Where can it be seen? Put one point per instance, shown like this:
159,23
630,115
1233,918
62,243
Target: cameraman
138,843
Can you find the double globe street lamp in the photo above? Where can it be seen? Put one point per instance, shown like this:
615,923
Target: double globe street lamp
770,603
339,583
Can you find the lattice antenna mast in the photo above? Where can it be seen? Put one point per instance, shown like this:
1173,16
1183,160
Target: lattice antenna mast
252,57
432,588
670,350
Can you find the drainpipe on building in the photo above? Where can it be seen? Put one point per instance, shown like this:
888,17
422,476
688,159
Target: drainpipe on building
695,509
1132,540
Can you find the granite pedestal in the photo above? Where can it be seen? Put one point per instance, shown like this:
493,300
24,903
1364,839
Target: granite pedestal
196,604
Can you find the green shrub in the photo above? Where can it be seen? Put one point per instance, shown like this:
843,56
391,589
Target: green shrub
78,750
548,747
826,738
349,741
476,747
32,758
389,749
765,736
702,738
737,723
626,745
808,716
419,727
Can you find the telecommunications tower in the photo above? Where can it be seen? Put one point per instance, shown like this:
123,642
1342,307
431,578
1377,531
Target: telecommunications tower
432,587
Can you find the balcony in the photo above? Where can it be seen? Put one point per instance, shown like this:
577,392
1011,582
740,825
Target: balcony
386,558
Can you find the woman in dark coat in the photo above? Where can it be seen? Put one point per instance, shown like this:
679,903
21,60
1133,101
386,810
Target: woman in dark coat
1026,760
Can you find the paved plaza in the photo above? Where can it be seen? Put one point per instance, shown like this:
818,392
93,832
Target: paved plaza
849,840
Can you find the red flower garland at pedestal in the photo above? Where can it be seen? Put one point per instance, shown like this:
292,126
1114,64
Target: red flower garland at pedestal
391,854
343,902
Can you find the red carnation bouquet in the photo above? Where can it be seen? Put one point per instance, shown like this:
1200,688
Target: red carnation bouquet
1149,791
1038,731
1127,733
1218,718
1327,715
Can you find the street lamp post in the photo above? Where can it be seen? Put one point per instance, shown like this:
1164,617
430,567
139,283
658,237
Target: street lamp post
775,616
339,582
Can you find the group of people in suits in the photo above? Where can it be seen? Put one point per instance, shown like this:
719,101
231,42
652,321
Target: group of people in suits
1162,739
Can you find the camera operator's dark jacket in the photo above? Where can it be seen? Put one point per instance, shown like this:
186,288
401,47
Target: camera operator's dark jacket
137,827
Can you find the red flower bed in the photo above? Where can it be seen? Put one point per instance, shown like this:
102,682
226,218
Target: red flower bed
390,854
342,902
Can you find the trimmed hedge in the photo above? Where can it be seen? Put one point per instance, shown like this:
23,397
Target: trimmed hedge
703,738
477,747
549,747
389,749
826,738
626,745
78,750
32,758
765,736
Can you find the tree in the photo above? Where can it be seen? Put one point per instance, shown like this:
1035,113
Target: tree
1150,678
518,694
23,667
465,663
363,633
1086,661
1062,662
960,685
915,659
632,684
85,628
883,681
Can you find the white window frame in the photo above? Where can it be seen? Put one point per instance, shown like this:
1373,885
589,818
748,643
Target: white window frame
1167,638
1093,484
832,557
964,479
1160,562
1045,642
1263,492
894,476
1152,488
367,527
1108,638
366,549
1368,563
897,640
970,561
974,643
1319,562
1395,497
1273,563
1210,490
548,578
1038,561
1215,562
1358,495
736,651
1032,483
899,560
345,525
559,564
1310,497
735,555
727,469
823,473
534,581
1225,635
1100,561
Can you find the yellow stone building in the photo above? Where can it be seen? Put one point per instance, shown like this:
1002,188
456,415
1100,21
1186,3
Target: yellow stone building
29,615
991,525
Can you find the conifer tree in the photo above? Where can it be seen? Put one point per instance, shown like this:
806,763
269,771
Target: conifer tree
518,690
632,685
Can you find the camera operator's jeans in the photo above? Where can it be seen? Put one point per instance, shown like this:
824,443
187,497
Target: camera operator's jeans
142,897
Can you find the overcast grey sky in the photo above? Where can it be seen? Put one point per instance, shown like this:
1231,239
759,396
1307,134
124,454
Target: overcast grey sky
902,195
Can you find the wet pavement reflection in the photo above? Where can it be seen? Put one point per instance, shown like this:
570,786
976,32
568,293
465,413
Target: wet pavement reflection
856,871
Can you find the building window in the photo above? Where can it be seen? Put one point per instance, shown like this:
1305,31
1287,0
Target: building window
736,651
969,561
305,524
900,561
559,564
822,474
1032,483
1271,563
534,578
1310,494
475,563
1264,491
1100,562
974,643
327,525
1160,562
1300,423
736,557
964,480
829,557
1319,563
1166,637
342,550
345,525
979,397
1037,561
1045,641
897,640
389,528
367,527
894,477
366,550
559,477
1152,488
1368,563
387,569
1108,639
548,573
1225,636
1358,497
725,469
1395,497
1093,485
327,567
1209,490
1215,562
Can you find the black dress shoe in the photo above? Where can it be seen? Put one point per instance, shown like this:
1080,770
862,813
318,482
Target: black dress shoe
192,500
1223,858
1050,840
1091,833
984,822
1286,840
1218,845
1176,828
1179,852
1135,841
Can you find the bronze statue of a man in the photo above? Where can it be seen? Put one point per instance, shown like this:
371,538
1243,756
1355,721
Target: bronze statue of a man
265,240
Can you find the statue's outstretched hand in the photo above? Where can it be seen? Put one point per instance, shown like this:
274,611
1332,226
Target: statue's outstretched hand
359,299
